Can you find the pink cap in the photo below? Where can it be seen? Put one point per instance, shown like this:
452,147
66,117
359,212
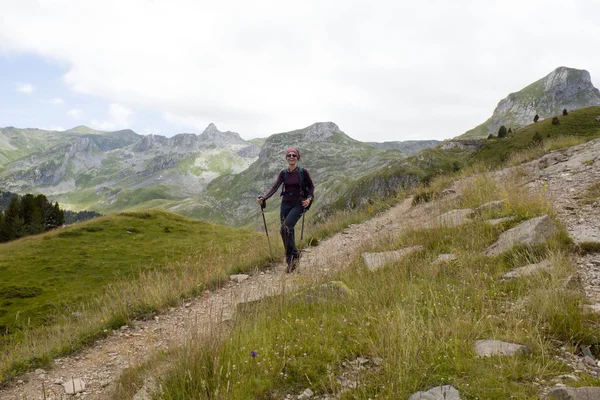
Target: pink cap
293,150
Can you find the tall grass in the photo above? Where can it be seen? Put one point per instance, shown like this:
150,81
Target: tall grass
141,295
418,316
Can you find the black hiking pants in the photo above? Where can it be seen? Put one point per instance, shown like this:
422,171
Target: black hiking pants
289,215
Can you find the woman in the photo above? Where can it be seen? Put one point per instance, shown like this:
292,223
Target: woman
297,195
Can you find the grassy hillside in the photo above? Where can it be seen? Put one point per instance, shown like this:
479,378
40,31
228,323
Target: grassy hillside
110,269
581,124
414,322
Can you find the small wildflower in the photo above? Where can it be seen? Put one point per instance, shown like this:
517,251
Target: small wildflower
254,354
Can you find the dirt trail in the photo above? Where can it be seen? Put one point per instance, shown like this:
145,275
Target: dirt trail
564,175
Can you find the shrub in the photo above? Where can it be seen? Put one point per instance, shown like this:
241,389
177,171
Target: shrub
565,112
536,118
555,121
502,133
537,138
491,136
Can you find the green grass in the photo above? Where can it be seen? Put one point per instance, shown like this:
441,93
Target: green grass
110,269
420,318
580,124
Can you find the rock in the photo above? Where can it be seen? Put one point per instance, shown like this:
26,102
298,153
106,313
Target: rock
490,206
307,394
39,371
498,221
452,218
447,192
239,278
74,386
585,350
446,392
326,291
528,270
487,348
531,232
590,361
145,393
580,393
374,261
444,258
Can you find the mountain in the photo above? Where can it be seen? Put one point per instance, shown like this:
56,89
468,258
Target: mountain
409,147
108,171
334,160
563,88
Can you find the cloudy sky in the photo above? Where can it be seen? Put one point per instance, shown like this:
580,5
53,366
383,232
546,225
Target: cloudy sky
381,70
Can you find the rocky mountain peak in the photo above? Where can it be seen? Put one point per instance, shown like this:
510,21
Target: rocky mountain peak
213,135
321,130
563,88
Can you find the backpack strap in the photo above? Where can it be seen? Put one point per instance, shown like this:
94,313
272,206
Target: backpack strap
302,183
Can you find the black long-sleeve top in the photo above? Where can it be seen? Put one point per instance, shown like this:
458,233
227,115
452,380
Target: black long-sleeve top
292,186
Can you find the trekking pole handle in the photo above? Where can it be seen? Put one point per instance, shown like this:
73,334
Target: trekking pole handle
262,201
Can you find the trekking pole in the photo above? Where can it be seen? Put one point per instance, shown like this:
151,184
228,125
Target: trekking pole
302,233
262,210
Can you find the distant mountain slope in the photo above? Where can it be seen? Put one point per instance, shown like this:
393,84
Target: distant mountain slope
409,147
563,88
334,160
110,171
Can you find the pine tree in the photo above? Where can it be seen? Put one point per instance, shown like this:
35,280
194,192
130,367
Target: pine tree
536,118
555,121
502,133
565,112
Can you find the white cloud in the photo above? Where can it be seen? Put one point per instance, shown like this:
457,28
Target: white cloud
75,113
268,66
119,117
57,101
26,88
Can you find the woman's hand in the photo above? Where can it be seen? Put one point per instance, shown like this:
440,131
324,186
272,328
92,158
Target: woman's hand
306,203
260,200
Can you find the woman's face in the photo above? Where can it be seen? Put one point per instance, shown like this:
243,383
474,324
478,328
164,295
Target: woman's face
292,159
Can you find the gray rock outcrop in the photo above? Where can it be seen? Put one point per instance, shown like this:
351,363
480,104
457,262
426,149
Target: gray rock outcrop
531,232
488,348
528,270
580,393
445,392
374,261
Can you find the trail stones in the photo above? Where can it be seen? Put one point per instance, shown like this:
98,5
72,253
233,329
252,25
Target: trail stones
580,393
74,386
488,348
239,278
374,261
528,270
307,394
531,232
445,392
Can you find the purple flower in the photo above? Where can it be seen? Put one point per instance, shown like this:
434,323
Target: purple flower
254,354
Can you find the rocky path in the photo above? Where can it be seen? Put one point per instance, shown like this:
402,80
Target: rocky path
565,175
100,365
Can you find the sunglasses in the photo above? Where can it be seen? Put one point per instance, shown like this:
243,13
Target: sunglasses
291,155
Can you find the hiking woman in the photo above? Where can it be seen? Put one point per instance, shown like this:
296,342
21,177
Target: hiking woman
297,195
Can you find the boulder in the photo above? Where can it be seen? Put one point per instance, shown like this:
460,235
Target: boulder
490,206
488,348
374,261
580,393
452,218
527,270
444,258
498,221
74,386
239,278
445,392
327,291
531,232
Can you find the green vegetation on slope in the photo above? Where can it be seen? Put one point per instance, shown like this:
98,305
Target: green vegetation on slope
579,123
108,270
